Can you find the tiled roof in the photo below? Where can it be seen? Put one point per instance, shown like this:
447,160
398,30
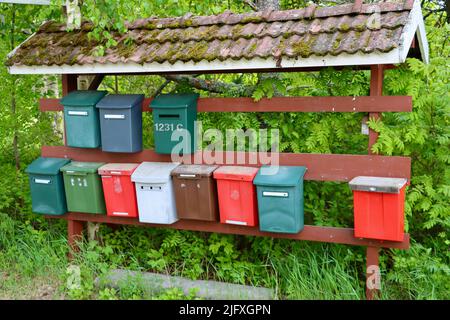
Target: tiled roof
312,31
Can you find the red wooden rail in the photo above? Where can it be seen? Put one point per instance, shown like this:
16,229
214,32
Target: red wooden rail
321,167
285,104
309,233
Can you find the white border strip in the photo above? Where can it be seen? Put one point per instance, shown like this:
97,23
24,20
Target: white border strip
343,59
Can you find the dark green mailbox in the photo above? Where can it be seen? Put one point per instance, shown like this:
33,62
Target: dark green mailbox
280,198
83,185
81,118
47,186
174,114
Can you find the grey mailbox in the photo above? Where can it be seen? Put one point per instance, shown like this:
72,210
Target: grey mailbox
121,122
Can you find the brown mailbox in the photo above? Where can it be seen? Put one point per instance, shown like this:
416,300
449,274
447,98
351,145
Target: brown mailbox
195,192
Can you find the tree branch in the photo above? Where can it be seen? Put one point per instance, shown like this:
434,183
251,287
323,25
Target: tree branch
251,4
213,86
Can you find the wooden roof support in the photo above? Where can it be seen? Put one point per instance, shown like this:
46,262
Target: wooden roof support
376,89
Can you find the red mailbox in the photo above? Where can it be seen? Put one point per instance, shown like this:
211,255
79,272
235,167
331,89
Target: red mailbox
237,196
119,191
379,207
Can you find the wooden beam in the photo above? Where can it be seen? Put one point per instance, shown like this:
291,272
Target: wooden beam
321,167
284,104
376,90
96,82
309,233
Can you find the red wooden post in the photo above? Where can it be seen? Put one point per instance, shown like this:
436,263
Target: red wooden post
373,275
69,83
376,89
74,233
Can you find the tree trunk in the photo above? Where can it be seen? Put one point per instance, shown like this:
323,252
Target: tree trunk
268,4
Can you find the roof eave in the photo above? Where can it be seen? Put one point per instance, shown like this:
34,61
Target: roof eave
414,26
342,60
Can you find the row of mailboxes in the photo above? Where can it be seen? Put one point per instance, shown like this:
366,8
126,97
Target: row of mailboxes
114,122
156,192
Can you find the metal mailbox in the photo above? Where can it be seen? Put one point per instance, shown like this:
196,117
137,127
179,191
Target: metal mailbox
280,198
84,192
47,186
81,118
121,122
119,190
175,113
379,207
237,196
154,192
195,192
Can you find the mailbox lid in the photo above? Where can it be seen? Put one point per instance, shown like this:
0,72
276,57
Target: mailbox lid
122,169
83,98
172,101
82,167
287,176
153,172
377,184
236,173
193,171
120,101
46,166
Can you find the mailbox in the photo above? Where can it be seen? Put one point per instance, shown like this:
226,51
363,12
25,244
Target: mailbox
84,192
280,198
379,207
175,114
47,186
154,192
81,118
237,196
119,191
121,122
195,192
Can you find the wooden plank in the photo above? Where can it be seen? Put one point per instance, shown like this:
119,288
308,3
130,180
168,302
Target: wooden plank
96,82
321,167
309,233
285,104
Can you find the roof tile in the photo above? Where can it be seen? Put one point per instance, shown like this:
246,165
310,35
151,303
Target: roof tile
296,33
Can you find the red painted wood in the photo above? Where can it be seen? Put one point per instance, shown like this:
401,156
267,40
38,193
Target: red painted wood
309,233
321,167
285,104
376,90
372,271
69,83
74,234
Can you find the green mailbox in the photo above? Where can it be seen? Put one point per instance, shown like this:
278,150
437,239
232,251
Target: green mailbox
84,191
47,186
280,198
81,118
174,114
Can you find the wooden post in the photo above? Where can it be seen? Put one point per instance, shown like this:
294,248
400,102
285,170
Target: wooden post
74,234
69,83
376,89
373,275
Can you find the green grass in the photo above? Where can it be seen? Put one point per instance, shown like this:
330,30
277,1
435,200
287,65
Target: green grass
33,264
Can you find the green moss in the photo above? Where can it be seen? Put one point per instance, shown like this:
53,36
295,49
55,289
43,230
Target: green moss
252,19
337,41
197,52
303,48
236,31
344,27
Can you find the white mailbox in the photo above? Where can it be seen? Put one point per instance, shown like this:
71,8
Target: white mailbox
154,191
